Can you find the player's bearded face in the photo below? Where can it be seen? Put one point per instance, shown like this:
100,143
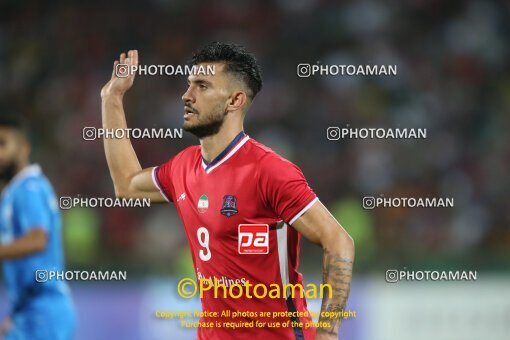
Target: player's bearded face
8,171
204,124
206,102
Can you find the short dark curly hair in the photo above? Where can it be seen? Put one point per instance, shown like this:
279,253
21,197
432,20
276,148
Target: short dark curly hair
237,61
14,121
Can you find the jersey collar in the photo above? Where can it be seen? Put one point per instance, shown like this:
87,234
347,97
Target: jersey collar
228,152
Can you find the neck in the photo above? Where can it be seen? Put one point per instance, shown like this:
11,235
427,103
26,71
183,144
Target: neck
212,146
22,165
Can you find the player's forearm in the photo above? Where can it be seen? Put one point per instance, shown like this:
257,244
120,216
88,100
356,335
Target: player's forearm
120,155
337,271
33,242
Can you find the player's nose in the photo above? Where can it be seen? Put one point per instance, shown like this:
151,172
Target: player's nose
187,96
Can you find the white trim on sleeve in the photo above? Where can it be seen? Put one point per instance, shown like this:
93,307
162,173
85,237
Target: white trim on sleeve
308,206
283,257
156,183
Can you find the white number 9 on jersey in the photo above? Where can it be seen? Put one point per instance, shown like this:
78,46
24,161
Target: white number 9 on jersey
203,239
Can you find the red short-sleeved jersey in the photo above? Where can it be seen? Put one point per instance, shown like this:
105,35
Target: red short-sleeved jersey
247,183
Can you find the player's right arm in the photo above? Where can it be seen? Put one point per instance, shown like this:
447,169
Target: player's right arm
129,179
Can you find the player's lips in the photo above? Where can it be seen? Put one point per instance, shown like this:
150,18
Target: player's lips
188,112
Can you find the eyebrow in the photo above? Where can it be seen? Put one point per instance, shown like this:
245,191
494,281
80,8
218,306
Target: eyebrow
200,82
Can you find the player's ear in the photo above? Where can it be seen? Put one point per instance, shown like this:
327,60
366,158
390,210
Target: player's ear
237,101
25,149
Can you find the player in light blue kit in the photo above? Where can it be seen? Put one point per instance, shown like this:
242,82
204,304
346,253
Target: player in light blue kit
30,242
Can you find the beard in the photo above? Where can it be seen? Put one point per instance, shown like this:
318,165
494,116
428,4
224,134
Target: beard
8,171
209,127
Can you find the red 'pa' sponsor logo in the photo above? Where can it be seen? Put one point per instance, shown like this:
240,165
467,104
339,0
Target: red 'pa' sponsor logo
253,239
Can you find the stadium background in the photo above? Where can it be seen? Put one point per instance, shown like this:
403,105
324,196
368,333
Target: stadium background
453,79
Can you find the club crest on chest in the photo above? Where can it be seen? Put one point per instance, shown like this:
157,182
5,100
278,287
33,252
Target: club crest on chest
229,207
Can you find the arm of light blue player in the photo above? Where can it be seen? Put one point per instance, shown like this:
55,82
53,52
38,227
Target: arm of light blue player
32,242
32,214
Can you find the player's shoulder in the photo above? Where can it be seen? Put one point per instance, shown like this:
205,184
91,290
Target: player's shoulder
31,182
267,157
187,154
190,151
35,185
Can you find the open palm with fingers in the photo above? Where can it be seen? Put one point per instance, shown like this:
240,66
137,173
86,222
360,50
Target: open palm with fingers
122,78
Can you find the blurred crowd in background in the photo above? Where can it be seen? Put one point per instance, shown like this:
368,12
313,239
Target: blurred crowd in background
453,79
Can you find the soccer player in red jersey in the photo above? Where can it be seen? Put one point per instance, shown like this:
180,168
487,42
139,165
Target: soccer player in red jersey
243,207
